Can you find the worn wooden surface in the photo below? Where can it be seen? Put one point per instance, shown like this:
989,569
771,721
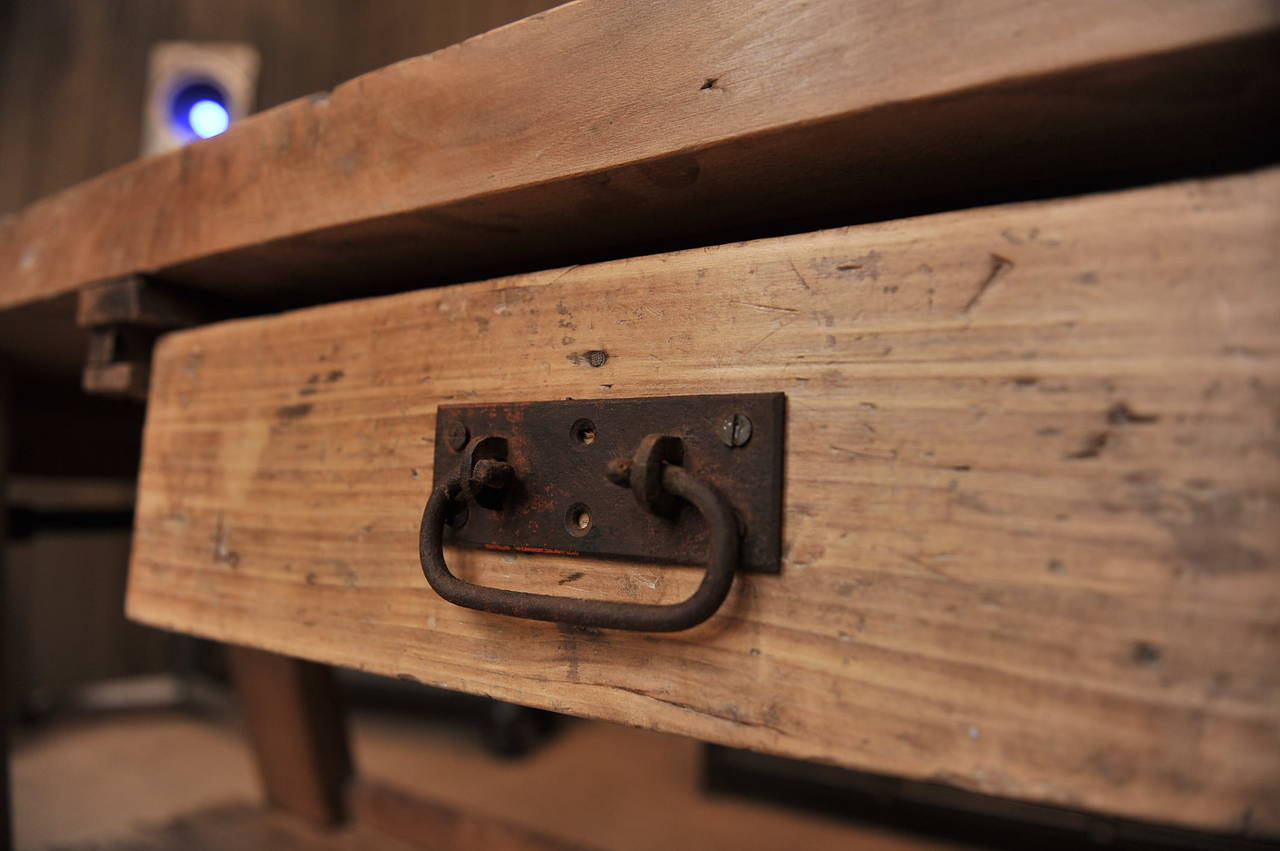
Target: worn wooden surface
1031,503
392,812
242,827
6,692
607,123
298,731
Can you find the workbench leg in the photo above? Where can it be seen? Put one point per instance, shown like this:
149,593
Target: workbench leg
298,731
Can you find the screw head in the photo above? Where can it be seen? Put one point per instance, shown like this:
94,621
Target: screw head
735,430
455,434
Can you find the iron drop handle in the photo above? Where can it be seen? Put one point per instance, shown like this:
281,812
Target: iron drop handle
656,482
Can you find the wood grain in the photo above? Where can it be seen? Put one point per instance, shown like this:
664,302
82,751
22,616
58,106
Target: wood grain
605,124
1031,501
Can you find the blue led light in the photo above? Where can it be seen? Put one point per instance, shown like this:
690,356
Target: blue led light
198,110
208,118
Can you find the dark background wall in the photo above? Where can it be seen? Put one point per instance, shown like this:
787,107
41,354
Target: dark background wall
72,72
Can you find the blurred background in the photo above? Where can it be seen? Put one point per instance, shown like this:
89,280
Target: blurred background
125,737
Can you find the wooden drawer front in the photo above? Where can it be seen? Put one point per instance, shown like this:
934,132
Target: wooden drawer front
1031,510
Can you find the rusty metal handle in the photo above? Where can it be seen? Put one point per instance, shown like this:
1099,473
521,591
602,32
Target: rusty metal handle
722,561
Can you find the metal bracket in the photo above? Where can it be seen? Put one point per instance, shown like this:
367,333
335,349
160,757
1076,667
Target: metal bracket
562,499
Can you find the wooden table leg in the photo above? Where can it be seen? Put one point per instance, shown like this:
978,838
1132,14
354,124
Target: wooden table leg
298,731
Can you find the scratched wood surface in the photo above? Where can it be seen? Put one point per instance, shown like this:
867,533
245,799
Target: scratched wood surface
1031,500
607,123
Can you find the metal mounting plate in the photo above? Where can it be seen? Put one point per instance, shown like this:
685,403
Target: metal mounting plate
560,451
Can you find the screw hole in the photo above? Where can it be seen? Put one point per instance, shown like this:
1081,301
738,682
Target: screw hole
577,520
584,431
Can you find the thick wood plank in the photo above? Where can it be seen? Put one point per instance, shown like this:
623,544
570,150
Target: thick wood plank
298,730
1030,540
608,123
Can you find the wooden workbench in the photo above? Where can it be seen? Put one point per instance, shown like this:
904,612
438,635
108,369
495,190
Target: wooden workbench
1014,267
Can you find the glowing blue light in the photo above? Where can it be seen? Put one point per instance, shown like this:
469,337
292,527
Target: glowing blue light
208,118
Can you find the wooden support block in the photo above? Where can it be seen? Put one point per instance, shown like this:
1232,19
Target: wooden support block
139,301
118,362
427,824
1030,528
127,380
295,720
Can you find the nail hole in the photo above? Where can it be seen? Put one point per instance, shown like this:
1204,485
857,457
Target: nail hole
578,520
584,431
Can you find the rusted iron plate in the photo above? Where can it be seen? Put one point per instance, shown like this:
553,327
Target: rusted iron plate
562,502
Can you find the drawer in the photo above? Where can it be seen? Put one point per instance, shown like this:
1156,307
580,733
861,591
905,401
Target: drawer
1030,508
